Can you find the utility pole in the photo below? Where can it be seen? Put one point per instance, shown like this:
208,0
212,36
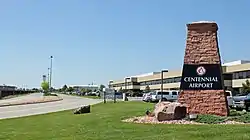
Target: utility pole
48,74
50,81
162,72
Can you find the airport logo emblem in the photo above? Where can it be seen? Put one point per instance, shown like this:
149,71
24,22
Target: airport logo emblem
200,70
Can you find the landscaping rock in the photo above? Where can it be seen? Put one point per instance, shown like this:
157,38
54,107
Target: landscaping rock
83,109
170,111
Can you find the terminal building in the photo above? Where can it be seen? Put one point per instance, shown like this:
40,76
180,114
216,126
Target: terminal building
234,74
88,87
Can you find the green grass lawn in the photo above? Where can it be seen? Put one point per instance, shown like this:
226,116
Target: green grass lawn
104,123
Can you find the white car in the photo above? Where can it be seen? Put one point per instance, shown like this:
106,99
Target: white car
230,100
147,97
155,96
167,95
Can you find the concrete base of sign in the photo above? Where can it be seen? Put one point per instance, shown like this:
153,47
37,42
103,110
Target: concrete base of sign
204,102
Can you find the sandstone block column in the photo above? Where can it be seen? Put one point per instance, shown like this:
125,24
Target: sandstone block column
202,85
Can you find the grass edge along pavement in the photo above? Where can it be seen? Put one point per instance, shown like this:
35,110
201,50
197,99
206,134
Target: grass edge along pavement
84,96
104,123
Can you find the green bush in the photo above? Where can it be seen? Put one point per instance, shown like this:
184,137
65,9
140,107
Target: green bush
49,94
210,119
238,116
236,113
243,117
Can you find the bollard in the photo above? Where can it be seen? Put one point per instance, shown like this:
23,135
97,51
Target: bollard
124,96
114,97
104,97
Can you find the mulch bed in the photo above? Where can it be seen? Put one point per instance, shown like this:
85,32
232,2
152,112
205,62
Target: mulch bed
153,120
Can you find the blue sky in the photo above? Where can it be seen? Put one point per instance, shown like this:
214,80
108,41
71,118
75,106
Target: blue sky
99,40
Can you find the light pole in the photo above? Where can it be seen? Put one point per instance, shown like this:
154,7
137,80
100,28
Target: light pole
162,72
48,74
50,83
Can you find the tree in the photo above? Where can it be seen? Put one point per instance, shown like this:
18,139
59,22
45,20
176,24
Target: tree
83,90
246,87
70,89
101,87
64,88
35,89
45,86
88,90
147,89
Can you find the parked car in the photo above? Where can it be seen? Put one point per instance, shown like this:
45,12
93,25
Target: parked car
230,101
146,97
155,96
241,102
118,95
168,95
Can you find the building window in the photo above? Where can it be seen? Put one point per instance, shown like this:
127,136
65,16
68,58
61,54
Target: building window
174,93
227,76
177,79
236,75
166,81
142,83
136,83
148,83
248,74
241,75
158,81
244,74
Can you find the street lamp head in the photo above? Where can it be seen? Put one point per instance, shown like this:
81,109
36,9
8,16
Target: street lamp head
164,70
51,56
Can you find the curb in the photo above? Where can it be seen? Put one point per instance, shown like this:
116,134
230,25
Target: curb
15,104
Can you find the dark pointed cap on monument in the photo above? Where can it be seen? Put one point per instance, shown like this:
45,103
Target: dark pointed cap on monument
206,25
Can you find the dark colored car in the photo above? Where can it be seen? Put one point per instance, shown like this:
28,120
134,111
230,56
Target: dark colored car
241,102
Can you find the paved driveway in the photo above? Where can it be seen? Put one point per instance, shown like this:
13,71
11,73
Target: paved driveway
68,102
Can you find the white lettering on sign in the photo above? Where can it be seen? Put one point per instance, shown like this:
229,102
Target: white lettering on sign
201,79
201,82
200,85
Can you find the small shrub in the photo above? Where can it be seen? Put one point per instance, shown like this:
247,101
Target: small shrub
91,94
234,113
210,119
49,94
243,117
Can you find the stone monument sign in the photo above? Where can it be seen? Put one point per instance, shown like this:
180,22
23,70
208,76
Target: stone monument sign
202,85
